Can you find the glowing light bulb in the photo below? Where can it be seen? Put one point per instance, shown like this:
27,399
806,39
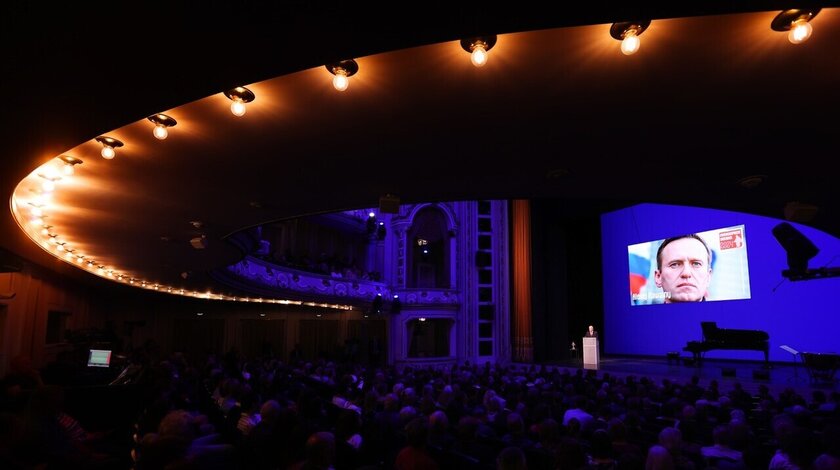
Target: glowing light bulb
237,107
478,57
108,152
631,43
340,80
160,132
800,31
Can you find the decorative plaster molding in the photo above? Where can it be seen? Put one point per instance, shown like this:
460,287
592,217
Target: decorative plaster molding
264,274
430,296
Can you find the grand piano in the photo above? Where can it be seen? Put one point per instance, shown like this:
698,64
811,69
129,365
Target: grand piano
727,338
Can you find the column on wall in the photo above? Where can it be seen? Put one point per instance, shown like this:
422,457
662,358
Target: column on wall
523,341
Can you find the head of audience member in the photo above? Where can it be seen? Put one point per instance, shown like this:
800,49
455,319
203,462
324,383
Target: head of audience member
416,433
511,458
270,411
670,439
467,429
438,423
600,444
659,458
721,435
549,432
573,427
177,424
320,450
617,430
515,424
391,403
407,413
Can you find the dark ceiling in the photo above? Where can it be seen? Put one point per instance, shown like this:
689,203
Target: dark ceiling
713,96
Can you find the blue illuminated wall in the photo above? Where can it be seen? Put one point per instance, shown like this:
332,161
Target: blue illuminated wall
804,315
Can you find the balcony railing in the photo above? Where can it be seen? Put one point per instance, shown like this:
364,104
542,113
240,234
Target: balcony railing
259,276
265,278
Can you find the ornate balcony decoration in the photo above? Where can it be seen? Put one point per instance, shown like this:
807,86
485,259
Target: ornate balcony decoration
255,274
429,297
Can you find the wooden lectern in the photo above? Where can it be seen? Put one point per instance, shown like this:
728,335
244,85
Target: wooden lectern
590,353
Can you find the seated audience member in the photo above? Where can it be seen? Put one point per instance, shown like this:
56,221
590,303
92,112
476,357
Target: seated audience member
177,444
250,415
414,456
22,374
831,445
579,412
515,436
797,450
320,452
671,439
348,446
830,458
659,458
440,436
600,452
721,448
620,445
511,458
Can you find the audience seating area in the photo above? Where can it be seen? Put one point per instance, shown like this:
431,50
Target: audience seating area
228,411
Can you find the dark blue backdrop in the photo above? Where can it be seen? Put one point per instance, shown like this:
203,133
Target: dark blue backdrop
804,315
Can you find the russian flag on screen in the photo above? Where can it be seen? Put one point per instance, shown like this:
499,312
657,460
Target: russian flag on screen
639,270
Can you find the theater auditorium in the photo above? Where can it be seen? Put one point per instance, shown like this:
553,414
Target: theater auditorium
335,236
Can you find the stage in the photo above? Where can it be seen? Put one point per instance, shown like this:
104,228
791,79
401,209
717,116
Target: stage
751,374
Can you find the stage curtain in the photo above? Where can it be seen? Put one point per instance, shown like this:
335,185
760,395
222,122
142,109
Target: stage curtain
523,340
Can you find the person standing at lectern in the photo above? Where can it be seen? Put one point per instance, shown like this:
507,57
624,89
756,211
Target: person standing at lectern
684,269
591,333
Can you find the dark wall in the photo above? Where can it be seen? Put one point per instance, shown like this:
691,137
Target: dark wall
566,263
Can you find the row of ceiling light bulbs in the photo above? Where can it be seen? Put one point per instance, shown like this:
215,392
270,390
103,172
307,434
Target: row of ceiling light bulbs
54,173
795,21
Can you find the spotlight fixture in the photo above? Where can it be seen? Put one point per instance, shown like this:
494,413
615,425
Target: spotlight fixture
161,122
69,164
628,33
239,95
797,22
343,70
108,146
478,47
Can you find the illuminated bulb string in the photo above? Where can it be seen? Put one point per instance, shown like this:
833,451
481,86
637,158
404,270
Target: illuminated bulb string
478,57
800,31
237,107
340,80
631,43
160,132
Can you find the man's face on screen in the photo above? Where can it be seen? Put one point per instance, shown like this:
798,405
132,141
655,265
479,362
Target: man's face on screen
685,273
